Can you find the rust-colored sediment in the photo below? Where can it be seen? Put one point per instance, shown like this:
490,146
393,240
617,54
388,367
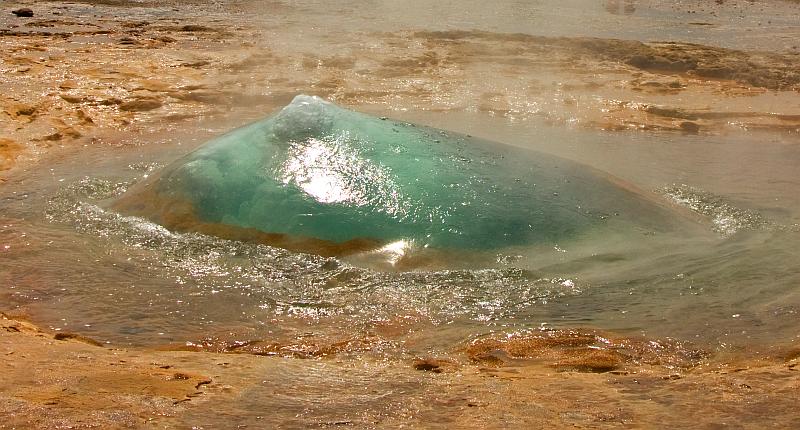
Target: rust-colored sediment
62,380
547,379
9,151
581,350
180,215
291,348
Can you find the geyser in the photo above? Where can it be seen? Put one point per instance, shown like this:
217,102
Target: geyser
319,178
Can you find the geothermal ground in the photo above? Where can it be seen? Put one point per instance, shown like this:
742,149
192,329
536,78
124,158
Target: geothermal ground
115,74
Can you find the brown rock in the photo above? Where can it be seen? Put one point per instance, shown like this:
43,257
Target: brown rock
428,365
110,102
583,351
23,12
61,134
9,150
180,376
18,111
73,99
140,105
26,110
792,355
690,127
191,28
592,360
563,350
531,345
68,85
79,338
295,348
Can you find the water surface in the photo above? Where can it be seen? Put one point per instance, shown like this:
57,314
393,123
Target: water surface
725,281
126,280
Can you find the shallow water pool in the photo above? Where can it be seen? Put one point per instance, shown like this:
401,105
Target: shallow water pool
727,282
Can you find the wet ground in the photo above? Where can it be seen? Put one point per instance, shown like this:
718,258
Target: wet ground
69,76
49,383
694,103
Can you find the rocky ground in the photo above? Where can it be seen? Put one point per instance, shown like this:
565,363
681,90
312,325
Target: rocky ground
542,379
119,73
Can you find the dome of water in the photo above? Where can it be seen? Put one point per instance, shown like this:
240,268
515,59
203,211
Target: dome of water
317,171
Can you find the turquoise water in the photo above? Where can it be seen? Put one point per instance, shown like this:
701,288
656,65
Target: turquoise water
316,170
723,273
125,280
703,253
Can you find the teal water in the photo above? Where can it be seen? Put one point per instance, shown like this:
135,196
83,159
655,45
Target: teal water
719,271
77,266
316,170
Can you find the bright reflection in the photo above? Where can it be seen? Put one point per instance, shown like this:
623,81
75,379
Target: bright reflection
332,171
317,169
395,250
